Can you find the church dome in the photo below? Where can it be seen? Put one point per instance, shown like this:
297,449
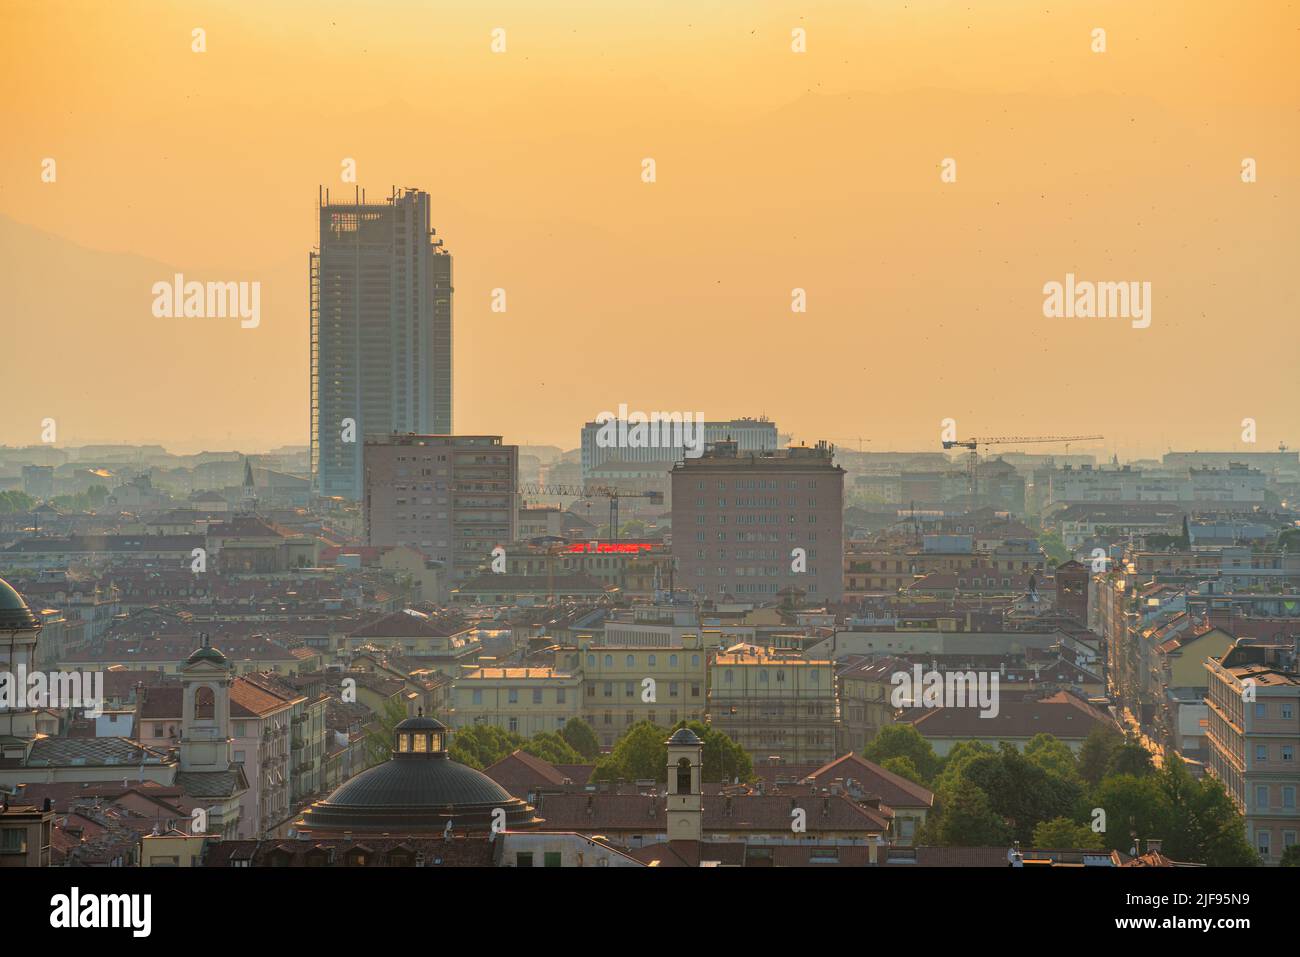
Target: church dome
419,789
14,613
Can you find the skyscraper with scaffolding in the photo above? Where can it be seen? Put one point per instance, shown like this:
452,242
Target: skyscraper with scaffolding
381,332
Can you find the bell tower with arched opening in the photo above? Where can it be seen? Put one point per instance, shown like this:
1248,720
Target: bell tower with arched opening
685,770
205,710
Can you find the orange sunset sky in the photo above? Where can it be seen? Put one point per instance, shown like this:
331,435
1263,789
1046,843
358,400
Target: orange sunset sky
775,170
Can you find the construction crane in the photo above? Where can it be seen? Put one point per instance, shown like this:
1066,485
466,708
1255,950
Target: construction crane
985,441
593,491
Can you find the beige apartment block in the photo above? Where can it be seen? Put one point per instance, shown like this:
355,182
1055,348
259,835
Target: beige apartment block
524,700
776,705
625,684
1252,737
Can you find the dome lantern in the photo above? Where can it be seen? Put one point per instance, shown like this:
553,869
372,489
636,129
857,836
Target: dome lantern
420,737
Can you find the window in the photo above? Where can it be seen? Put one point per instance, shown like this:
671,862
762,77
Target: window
477,696
1288,797
1261,709
1261,796
551,859
1263,841
559,696
631,661
513,695
537,696
1261,752
524,859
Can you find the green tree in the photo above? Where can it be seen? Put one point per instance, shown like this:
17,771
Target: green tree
580,736
1290,857
1130,758
549,746
1060,833
968,818
15,501
638,755
1054,546
903,767
1094,756
482,745
1205,826
1134,807
1020,792
1053,756
962,754
903,741
642,753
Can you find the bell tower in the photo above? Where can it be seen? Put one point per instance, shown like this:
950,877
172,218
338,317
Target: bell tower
685,768
205,710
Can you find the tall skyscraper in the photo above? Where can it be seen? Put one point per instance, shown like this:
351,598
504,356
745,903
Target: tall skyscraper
381,332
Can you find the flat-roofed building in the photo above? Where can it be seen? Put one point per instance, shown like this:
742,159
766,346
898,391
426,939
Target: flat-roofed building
775,704
450,496
751,524
625,684
523,700
1252,736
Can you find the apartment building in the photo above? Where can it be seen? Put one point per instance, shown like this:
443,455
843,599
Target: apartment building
625,684
523,700
748,525
1252,736
451,496
776,704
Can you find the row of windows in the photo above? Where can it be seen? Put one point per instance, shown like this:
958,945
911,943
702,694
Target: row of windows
629,661
744,536
763,519
751,553
757,485
512,695
774,502
632,690
752,571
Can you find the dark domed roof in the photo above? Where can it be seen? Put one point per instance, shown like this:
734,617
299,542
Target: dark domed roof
420,723
683,736
418,790
206,652
414,793
14,613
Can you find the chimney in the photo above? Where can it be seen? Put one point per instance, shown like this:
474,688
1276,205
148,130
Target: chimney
1154,844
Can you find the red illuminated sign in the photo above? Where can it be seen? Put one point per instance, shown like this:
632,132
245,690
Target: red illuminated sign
611,548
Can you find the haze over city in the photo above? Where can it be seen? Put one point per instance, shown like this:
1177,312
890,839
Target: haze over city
775,172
